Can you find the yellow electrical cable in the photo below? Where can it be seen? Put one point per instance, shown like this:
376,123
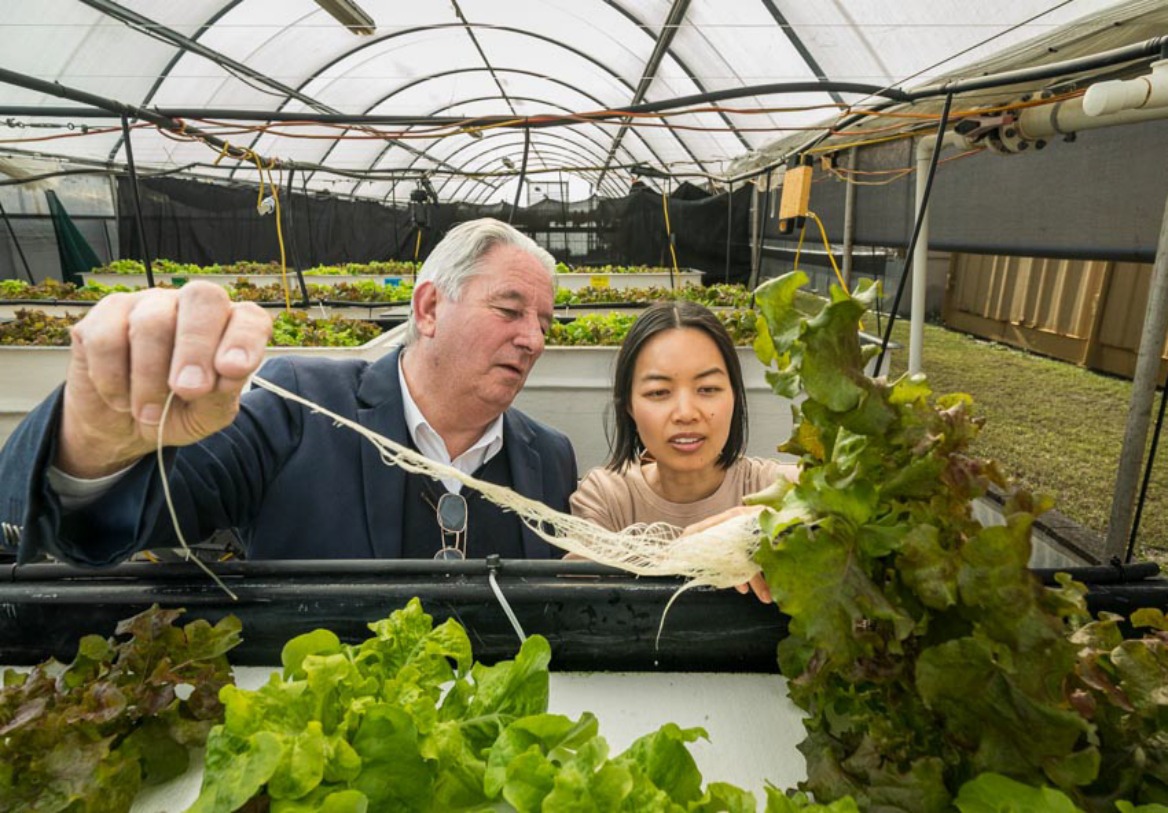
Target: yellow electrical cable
827,248
668,228
799,248
418,244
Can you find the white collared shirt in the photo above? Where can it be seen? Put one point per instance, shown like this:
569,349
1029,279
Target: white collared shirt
430,443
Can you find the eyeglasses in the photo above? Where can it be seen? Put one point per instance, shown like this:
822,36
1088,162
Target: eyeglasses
451,510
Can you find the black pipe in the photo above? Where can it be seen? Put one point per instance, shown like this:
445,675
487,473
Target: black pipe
729,226
312,257
1135,529
420,121
291,222
1116,56
142,246
912,243
16,242
1102,574
522,173
116,109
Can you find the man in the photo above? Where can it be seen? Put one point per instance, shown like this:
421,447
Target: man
292,484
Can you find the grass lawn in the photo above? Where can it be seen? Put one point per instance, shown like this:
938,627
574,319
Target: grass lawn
1054,427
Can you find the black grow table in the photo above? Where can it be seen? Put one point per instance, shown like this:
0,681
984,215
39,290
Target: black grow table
596,618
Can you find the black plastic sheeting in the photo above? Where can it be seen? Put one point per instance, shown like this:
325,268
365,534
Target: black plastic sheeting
204,223
595,618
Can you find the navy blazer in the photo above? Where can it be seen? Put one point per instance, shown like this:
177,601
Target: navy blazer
292,483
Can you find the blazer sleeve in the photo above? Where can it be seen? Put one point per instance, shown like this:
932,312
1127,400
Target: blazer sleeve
216,483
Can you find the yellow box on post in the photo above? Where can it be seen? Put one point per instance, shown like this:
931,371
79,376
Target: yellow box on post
796,196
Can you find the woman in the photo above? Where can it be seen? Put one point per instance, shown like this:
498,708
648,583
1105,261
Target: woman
679,406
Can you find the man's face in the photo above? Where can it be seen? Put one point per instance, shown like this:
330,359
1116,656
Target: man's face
490,338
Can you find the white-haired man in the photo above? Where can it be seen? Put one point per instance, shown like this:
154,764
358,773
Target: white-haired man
79,475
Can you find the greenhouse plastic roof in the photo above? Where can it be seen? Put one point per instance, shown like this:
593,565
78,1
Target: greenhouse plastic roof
463,59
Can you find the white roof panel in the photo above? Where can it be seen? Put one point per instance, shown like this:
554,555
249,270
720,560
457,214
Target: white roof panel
505,58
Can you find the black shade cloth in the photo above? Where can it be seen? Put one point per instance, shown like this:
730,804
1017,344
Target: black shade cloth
194,222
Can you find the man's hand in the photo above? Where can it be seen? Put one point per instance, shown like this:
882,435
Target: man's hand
131,350
756,585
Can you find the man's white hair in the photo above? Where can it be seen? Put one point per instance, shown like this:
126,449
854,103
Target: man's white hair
457,259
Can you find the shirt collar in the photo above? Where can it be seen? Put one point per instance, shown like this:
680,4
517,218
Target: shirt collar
426,438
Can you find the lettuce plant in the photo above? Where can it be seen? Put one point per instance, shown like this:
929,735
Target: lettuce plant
923,650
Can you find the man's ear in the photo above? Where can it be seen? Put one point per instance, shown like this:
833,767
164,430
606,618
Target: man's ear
425,307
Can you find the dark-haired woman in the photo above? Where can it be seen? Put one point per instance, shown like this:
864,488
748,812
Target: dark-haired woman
678,448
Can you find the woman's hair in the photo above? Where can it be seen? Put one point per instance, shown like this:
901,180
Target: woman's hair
624,442
456,258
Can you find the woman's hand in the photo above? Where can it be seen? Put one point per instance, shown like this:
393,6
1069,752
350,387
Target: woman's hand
756,585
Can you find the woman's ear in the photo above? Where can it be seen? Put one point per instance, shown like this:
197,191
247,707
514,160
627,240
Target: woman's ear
425,307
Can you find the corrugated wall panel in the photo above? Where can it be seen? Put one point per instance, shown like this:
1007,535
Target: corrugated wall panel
1088,312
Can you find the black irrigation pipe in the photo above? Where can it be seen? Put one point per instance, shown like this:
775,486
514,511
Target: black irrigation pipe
912,243
292,235
729,227
522,173
1135,529
142,246
172,113
1116,56
16,242
114,109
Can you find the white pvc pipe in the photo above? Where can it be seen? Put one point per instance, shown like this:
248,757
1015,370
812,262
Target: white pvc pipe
1074,115
920,258
1143,92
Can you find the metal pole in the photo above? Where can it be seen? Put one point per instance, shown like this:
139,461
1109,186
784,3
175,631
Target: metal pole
759,203
137,201
849,221
729,226
16,242
1135,434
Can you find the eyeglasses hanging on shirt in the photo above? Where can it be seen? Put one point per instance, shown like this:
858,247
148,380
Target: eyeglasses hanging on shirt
450,510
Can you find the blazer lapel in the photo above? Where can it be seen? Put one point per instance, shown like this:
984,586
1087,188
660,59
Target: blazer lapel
384,485
525,465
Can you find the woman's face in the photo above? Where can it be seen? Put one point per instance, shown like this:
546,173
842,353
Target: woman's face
682,401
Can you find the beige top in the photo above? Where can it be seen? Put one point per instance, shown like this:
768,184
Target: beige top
616,500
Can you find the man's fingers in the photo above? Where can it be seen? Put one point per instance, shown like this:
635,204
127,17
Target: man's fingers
242,347
151,332
102,349
203,313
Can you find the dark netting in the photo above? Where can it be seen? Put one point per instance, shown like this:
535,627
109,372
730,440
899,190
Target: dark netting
203,223
189,221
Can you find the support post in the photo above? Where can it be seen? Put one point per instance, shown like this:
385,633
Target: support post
1147,374
755,236
850,220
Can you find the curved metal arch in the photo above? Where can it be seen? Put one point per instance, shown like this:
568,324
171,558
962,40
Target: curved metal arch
800,47
571,151
174,60
471,197
555,151
418,29
509,70
681,64
159,31
632,157
598,155
484,98
580,153
515,148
